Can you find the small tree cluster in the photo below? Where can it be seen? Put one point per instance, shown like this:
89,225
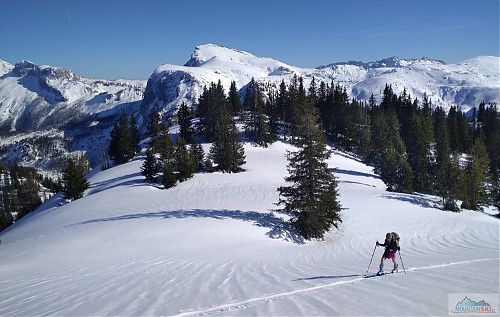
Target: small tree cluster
125,138
19,193
175,162
217,121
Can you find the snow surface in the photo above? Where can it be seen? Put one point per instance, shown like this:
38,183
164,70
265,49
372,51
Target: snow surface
464,84
214,245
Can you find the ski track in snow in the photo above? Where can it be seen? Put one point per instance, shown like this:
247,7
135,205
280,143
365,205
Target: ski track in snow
242,304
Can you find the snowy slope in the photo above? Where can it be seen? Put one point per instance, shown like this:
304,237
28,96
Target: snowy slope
212,245
464,84
40,96
5,67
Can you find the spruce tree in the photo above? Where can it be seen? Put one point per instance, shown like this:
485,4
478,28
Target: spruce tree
135,136
283,107
164,146
388,152
199,155
256,126
184,162
475,175
273,114
74,181
154,123
446,167
121,147
234,99
311,198
227,151
185,116
168,177
149,168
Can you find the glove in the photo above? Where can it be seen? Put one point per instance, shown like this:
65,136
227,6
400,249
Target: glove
399,248
378,244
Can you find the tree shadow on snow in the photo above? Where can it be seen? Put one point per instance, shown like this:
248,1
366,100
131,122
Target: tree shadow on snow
321,277
278,228
124,180
415,199
353,173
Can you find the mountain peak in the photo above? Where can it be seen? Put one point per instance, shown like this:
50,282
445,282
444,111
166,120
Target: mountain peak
205,52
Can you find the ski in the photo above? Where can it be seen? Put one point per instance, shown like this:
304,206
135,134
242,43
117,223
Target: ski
377,274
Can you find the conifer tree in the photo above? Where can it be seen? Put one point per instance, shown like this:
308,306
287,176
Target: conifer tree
154,123
74,181
256,127
283,107
445,168
199,155
273,115
135,135
164,146
234,99
227,151
185,116
475,175
388,152
168,177
311,198
149,168
184,162
121,147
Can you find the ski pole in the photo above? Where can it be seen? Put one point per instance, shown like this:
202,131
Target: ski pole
401,259
371,259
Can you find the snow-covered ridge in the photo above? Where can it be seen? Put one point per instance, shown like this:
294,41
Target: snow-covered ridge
393,61
464,84
39,96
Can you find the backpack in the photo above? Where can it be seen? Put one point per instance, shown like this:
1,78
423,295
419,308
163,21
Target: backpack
395,237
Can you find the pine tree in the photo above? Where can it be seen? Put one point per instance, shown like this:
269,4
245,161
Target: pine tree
212,102
311,197
149,168
475,175
273,114
74,181
185,116
199,155
154,123
184,162
168,177
135,136
121,147
256,126
418,143
389,153
283,107
234,99
227,150
164,146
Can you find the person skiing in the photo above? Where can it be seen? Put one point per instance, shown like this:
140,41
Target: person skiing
391,245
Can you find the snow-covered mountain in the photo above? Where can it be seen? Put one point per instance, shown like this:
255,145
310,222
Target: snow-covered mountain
464,84
40,96
213,245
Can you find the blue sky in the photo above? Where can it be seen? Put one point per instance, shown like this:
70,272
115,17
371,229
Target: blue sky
128,39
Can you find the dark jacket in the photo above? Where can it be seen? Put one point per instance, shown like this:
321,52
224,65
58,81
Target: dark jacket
390,245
